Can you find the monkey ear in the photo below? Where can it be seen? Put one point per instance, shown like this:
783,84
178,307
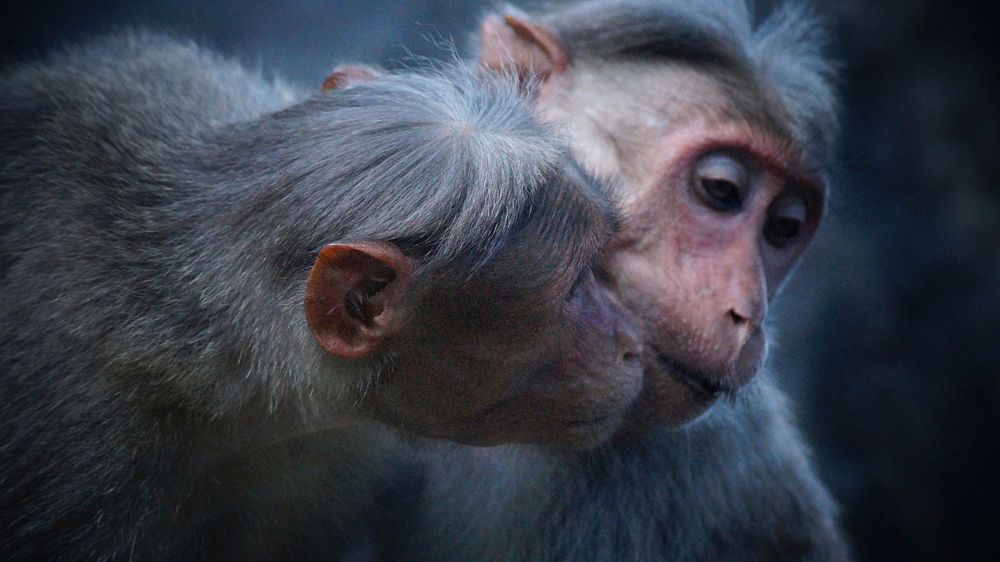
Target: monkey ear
515,43
346,75
355,296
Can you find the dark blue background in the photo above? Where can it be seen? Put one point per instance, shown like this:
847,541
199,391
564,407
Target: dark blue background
887,339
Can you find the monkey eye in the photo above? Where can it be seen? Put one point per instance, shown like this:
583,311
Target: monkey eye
784,223
720,181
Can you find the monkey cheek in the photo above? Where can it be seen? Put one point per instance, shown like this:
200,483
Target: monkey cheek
584,409
580,413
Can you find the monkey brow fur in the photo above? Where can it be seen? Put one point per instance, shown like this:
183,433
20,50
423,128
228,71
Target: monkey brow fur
786,50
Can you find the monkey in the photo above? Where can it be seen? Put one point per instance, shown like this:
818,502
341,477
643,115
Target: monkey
719,136
218,293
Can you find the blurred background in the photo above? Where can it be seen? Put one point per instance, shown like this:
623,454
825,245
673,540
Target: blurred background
888,338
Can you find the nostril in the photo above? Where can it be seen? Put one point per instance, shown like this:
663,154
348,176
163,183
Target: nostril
738,318
628,357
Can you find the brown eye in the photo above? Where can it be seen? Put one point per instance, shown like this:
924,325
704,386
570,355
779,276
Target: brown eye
722,194
720,183
785,221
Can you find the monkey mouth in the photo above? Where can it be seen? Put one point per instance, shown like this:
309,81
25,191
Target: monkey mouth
699,382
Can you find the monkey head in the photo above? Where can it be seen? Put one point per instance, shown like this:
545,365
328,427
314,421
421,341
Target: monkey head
516,343
721,197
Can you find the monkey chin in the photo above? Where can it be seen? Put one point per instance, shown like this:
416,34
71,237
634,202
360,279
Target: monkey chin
675,393
573,434
570,428
587,434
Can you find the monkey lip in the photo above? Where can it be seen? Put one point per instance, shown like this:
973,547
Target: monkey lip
699,382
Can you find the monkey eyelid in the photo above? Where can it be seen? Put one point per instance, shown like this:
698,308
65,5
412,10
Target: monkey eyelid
727,166
774,155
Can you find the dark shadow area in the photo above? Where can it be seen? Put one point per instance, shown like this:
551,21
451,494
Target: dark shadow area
891,331
889,336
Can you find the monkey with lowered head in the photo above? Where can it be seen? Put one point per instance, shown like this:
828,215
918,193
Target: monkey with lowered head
206,281
718,134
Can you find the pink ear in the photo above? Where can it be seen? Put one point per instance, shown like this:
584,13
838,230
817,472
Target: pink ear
346,75
354,296
514,43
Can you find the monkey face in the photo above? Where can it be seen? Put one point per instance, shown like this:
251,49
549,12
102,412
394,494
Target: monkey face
489,366
713,239
523,345
719,207
531,348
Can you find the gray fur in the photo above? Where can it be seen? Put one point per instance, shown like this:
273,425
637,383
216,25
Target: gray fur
785,52
161,208
736,485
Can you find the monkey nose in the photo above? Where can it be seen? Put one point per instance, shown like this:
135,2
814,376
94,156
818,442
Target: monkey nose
743,323
738,318
746,318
